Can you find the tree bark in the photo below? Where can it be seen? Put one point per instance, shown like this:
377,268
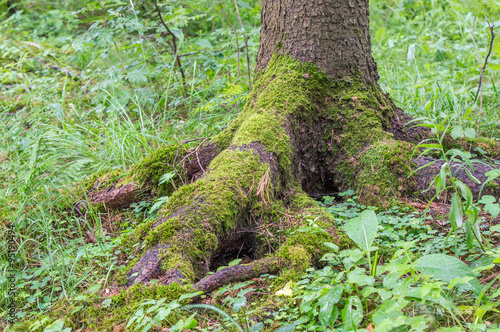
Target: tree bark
333,35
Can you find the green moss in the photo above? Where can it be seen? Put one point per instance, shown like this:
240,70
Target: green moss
219,195
225,137
205,209
102,179
336,118
493,185
298,256
139,292
129,240
120,277
163,232
93,316
266,128
174,258
312,242
385,172
156,164
287,86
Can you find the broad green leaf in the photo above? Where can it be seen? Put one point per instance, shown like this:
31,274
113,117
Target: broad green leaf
243,4
287,290
447,268
470,133
363,229
493,174
367,291
472,177
238,303
93,289
430,146
55,327
350,257
442,175
490,206
234,262
328,311
456,213
256,327
469,237
203,43
358,276
418,323
416,292
495,228
188,296
390,280
286,328
465,191
388,309
331,246
456,132
190,322
352,313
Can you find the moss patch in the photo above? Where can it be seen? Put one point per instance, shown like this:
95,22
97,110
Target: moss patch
90,315
385,169
156,164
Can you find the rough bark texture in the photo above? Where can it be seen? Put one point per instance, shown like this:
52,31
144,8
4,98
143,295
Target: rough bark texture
237,273
333,35
115,197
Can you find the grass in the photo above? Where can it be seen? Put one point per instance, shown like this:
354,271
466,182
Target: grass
93,87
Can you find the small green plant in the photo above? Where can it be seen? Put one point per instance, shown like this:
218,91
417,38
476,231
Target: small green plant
156,312
464,212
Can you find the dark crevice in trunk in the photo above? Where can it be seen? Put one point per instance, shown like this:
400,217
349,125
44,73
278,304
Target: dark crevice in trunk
240,244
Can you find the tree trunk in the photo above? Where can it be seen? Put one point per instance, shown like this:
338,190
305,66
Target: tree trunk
316,122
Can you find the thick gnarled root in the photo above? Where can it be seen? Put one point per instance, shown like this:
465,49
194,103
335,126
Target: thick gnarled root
199,215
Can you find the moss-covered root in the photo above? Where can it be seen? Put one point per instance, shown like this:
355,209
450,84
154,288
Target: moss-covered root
312,226
200,214
237,273
118,189
384,172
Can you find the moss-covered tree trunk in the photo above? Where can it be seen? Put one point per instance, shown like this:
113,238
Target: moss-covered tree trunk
316,122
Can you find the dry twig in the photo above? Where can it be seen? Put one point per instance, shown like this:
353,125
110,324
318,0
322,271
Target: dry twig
479,92
174,46
246,45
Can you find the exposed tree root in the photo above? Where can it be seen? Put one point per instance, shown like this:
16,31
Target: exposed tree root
237,273
425,176
116,196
